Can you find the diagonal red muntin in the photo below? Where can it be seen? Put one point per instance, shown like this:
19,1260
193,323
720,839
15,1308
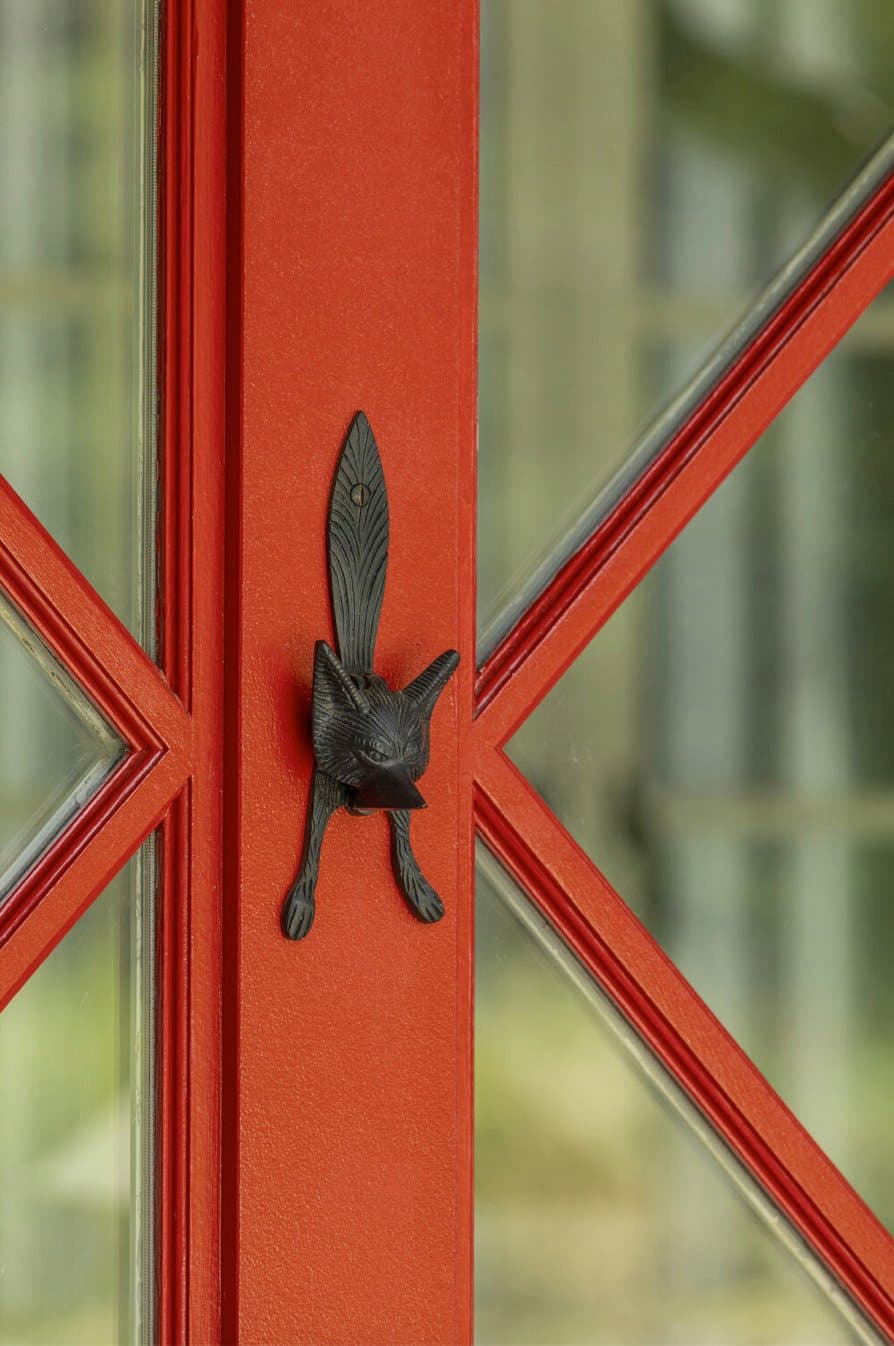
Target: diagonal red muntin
170,720
119,678
533,846
86,637
683,1034
781,355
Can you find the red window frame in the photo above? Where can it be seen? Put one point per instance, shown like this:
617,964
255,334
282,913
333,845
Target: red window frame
228,81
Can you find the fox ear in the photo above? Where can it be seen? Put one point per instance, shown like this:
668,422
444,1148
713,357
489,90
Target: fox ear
332,685
425,690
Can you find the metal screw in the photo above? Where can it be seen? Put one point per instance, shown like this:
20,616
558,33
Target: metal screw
360,493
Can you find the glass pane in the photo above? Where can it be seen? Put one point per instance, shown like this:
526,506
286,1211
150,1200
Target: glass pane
72,1129
601,1217
723,751
645,166
57,748
77,112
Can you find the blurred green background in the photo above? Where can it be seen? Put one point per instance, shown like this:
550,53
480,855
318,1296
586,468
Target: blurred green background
722,749
76,407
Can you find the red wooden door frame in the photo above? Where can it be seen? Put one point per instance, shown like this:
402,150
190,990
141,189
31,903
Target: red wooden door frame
347,1099
198,221
318,222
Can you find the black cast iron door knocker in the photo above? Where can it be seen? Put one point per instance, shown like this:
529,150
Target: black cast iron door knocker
371,744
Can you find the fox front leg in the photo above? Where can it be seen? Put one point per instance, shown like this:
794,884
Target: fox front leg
326,795
421,898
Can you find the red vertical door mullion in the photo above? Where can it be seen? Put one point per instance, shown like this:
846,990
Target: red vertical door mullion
193,297
347,1063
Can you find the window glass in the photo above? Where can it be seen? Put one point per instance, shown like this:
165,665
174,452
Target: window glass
646,167
606,1212
74,1133
77,283
723,752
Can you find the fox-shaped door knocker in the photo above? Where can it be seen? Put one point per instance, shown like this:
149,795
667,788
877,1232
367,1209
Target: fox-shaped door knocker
371,744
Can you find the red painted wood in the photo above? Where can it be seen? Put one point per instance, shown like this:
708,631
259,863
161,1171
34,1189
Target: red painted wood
684,1035
193,920
84,633
71,844
566,616
82,862
352,1089
127,687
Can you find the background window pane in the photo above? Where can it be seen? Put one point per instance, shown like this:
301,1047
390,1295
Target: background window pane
74,1131
601,1217
646,166
57,748
78,394
723,750
77,282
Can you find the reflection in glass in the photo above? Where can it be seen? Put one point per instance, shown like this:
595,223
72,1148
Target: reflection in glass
57,748
77,277
601,1218
646,165
723,752
73,1125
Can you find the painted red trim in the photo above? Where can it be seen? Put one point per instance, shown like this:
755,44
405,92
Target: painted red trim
172,1091
165,743
82,861
119,678
352,1062
72,842
467,580
684,1035
231,1004
564,618
192,379
85,635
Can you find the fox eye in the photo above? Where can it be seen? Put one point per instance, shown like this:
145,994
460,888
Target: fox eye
376,752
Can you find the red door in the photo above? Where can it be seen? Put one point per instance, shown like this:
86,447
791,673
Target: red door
312,1099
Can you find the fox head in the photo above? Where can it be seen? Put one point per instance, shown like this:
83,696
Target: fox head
369,738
